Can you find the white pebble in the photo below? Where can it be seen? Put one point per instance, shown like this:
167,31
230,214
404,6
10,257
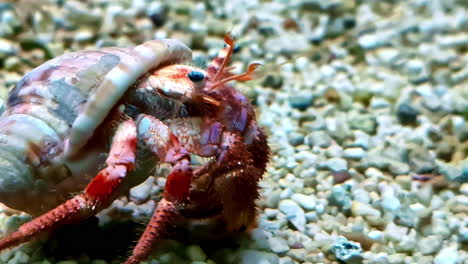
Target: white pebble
354,153
361,209
448,255
306,201
294,213
278,245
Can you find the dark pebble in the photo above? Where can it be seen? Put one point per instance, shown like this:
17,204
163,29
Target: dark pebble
158,15
407,114
295,138
301,101
273,81
340,176
158,19
349,22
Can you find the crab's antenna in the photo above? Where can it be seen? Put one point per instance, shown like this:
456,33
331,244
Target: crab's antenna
230,42
209,100
239,77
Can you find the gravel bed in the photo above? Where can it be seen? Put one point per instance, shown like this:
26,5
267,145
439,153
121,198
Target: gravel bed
366,108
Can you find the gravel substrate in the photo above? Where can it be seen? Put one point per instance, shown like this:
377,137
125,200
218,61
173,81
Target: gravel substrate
366,108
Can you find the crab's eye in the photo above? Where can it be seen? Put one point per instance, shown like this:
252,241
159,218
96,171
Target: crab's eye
196,76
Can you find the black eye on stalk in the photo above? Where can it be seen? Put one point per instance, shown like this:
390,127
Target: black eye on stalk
196,76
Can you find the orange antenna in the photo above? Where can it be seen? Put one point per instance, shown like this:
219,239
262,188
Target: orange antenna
230,42
210,100
239,77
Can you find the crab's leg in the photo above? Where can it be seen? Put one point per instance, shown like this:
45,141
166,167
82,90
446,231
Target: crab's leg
238,187
97,195
236,173
239,164
165,145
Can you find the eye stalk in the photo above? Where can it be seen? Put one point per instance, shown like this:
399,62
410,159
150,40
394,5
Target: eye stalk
196,76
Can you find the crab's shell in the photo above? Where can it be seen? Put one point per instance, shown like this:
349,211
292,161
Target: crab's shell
55,109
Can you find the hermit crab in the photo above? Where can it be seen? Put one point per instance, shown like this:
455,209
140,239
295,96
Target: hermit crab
62,116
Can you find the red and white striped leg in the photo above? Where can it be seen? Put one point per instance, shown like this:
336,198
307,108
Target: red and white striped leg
165,145
97,195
